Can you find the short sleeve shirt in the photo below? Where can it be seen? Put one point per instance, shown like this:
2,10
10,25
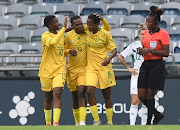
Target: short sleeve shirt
156,42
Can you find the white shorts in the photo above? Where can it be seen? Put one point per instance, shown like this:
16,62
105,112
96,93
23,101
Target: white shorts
133,87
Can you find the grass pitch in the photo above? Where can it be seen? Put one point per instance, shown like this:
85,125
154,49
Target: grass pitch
102,127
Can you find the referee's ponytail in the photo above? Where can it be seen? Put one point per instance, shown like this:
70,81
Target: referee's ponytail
156,13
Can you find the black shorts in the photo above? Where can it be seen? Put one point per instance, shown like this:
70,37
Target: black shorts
152,74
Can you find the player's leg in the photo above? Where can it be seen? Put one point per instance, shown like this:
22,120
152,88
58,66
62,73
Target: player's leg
83,104
134,100
58,85
108,101
91,81
75,105
73,86
143,114
46,87
106,81
133,108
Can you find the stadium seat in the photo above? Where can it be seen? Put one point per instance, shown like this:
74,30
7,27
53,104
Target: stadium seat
158,2
84,19
31,48
113,21
79,1
42,9
17,10
67,8
121,9
53,1
1,11
6,2
18,35
1,36
36,37
8,22
31,22
133,1
132,22
165,22
171,9
119,48
61,19
29,2
122,34
174,0
176,22
142,8
174,33
8,48
107,1
94,7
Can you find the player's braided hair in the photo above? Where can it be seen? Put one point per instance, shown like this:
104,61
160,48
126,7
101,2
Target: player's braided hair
155,13
94,18
142,26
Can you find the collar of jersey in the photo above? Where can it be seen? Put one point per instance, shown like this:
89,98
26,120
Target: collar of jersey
150,31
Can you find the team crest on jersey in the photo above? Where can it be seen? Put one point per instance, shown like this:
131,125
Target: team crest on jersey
71,41
97,40
87,35
153,44
78,38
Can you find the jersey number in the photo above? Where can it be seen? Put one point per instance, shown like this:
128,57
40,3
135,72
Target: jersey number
60,52
138,57
109,74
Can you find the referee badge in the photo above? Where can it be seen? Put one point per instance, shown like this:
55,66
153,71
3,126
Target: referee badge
153,44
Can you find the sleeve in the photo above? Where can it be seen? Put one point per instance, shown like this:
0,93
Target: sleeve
165,40
105,25
127,52
110,43
46,40
66,45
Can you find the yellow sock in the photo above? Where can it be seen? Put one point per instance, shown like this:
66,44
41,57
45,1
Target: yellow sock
48,116
56,114
83,113
94,112
76,115
109,114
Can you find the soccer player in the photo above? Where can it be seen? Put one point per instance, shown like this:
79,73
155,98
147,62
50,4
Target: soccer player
52,70
152,72
75,39
131,50
99,72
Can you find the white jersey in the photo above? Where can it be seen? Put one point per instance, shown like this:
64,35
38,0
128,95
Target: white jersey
131,50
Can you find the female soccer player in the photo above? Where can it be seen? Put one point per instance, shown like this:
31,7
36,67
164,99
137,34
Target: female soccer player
152,72
52,70
99,69
76,69
131,50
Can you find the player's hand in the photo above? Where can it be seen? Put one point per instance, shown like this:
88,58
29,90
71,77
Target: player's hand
98,16
73,52
143,51
106,61
133,71
66,21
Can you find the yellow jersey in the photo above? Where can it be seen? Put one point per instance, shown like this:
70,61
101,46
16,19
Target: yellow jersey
77,42
53,59
98,46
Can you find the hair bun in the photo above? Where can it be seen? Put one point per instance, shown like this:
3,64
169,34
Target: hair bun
142,26
156,10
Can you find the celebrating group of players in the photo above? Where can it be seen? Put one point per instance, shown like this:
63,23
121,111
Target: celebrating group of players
88,68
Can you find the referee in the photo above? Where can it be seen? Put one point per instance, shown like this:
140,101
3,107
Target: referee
152,72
